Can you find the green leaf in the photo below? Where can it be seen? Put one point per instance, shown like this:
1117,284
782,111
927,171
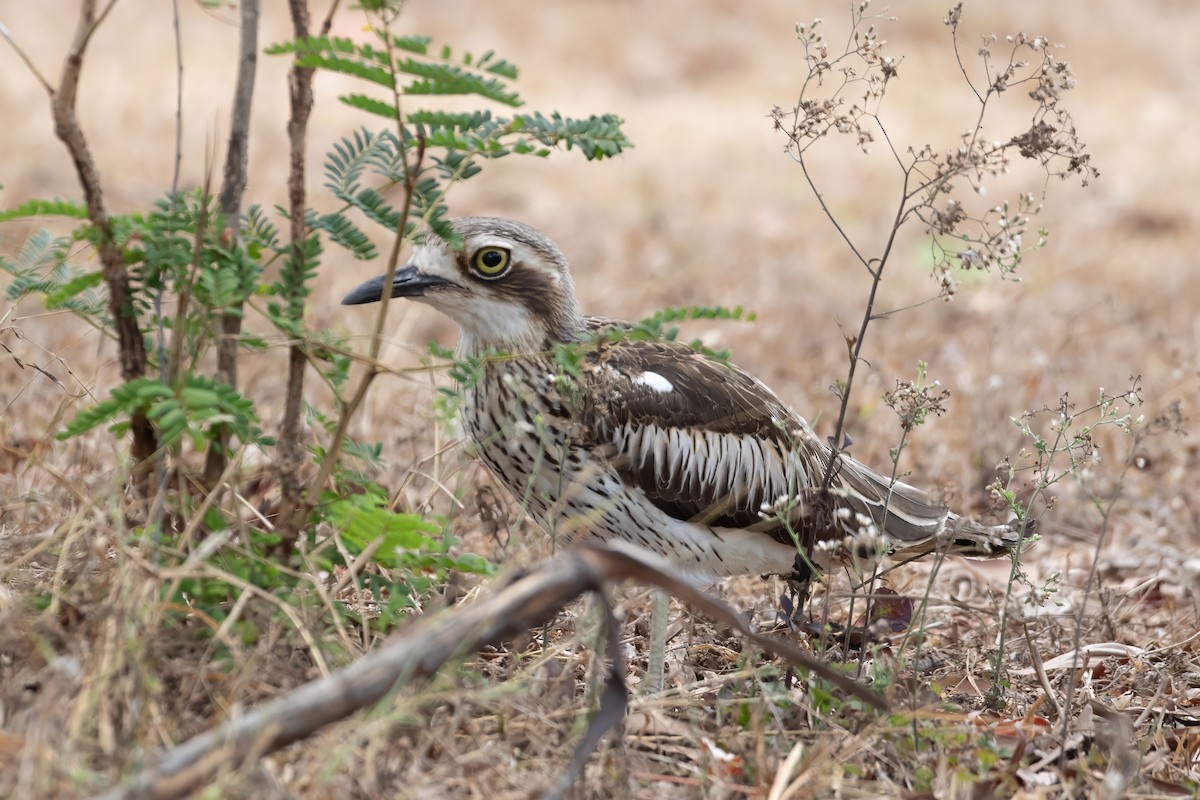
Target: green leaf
362,519
345,233
127,398
451,79
371,203
195,409
41,268
597,136
352,156
45,208
73,287
413,44
484,78
258,231
369,104
380,76
300,266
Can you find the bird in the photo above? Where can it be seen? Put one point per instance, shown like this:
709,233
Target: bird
648,444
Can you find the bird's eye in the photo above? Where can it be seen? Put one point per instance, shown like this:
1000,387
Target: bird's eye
491,262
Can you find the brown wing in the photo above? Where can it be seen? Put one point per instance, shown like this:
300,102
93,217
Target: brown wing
702,439
707,442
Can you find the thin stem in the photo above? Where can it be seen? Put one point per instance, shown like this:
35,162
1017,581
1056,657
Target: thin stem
1089,585
899,309
961,66
328,23
178,96
233,187
131,345
293,509
411,172
838,444
21,54
832,217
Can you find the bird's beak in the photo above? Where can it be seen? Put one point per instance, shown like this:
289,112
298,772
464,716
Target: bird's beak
409,282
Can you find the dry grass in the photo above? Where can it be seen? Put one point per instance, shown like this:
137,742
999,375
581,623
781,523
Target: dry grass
706,209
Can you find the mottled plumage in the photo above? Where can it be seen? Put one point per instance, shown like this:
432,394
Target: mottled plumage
648,443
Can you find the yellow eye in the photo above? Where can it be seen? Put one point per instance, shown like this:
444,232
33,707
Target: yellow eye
491,262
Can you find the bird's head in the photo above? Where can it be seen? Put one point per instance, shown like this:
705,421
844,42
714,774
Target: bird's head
507,286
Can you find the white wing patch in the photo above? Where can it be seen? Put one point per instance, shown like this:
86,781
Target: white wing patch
654,381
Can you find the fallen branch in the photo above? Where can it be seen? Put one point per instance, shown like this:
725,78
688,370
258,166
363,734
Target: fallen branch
421,649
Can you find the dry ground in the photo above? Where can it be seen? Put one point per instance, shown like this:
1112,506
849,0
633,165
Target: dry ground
706,209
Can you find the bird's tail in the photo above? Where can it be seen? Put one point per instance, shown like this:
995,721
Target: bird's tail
915,525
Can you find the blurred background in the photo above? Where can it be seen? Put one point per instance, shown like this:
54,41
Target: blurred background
708,209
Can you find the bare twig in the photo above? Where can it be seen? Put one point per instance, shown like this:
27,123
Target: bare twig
130,344
412,171
328,23
233,186
21,54
839,442
952,20
1090,585
377,338
421,650
291,454
1039,669
178,98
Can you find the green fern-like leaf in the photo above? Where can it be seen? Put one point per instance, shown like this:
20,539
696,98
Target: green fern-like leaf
41,267
439,120
312,44
597,137
481,133
259,233
340,55
451,79
74,287
660,326
413,44
488,62
345,233
45,208
125,399
427,197
380,76
433,76
41,249
372,204
369,104
292,285
497,66
194,410
352,156
39,252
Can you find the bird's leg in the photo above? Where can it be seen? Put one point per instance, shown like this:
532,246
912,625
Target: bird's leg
660,605
799,586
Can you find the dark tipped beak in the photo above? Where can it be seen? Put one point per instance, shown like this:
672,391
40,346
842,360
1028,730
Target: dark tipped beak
409,282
